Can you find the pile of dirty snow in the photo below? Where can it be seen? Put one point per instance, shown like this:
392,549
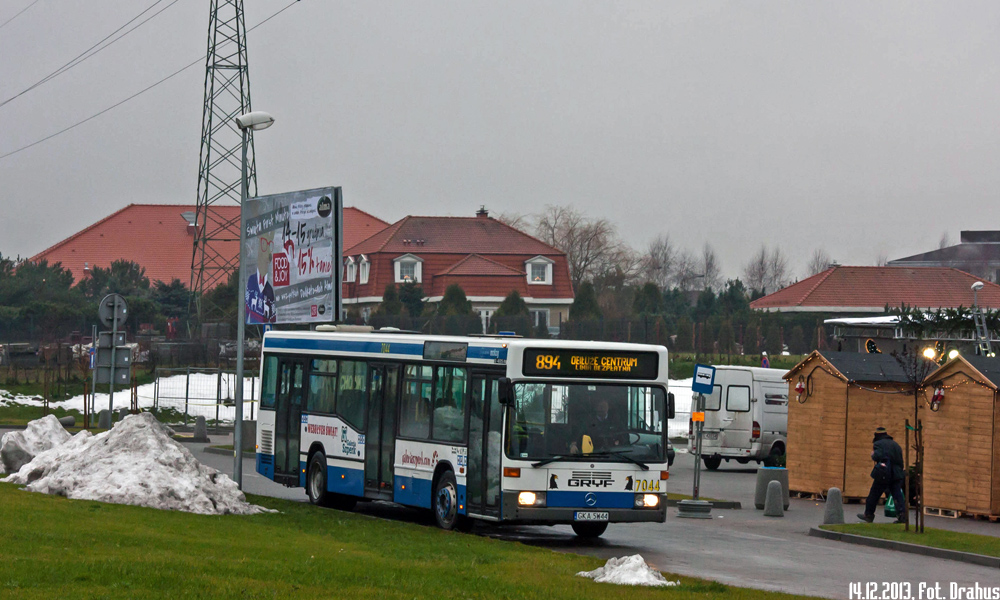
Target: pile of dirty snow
627,570
135,463
17,448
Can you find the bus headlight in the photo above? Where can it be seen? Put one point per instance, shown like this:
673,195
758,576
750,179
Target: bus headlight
531,499
647,500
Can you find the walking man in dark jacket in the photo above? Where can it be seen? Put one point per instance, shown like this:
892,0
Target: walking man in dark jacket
887,475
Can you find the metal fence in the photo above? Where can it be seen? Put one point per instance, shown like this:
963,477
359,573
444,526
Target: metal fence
200,392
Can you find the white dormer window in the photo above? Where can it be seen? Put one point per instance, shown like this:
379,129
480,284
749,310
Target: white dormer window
350,269
408,268
365,267
539,270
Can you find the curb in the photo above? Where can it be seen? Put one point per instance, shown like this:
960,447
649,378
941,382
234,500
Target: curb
720,504
850,538
225,452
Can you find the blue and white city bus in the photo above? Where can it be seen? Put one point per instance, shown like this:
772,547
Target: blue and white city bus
495,428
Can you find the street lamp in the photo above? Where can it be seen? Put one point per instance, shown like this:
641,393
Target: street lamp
975,292
251,121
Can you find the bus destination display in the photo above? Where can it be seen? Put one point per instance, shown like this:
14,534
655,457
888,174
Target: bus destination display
590,363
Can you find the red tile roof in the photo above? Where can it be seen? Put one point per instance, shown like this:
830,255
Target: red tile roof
156,236
461,235
475,264
870,289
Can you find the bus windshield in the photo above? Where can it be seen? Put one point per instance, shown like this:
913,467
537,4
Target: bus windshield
576,421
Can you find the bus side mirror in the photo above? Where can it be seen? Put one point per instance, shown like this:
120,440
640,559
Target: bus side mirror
505,390
670,405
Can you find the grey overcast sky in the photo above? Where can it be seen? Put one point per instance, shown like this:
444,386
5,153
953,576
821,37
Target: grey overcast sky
862,128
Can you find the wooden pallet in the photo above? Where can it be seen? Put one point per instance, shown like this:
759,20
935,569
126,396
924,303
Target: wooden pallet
990,518
942,512
807,495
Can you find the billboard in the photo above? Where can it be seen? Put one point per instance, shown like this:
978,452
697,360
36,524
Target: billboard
292,256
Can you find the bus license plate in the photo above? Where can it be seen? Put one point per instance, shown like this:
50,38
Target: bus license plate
590,516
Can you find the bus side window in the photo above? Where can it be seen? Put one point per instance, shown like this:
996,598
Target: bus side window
414,410
322,386
351,392
270,383
449,403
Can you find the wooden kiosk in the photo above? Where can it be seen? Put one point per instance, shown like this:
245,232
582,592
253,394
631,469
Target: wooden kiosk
845,396
962,438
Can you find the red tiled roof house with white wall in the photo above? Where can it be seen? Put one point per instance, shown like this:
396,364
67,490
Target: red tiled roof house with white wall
487,258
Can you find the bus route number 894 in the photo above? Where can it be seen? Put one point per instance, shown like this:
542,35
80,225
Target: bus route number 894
547,362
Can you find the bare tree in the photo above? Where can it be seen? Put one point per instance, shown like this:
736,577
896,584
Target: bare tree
777,270
882,259
518,221
755,273
710,268
659,262
945,241
591,246
686,271
819,262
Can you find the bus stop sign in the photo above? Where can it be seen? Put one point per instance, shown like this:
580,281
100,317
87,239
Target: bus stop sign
704,378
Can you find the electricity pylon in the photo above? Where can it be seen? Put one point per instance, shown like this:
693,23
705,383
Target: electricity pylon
227,96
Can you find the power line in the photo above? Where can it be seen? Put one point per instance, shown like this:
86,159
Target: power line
79,58
135,95
18,14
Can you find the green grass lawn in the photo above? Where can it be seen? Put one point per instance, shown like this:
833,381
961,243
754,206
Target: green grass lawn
57,548
937,538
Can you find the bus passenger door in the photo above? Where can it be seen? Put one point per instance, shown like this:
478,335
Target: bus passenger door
485,427
288,420
380,446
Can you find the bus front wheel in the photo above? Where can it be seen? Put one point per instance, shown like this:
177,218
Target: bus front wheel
445,501
590,530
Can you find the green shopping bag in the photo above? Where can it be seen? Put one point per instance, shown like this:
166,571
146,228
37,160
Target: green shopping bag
890,508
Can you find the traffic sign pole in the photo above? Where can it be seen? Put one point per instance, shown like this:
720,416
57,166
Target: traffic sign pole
114,343
699,426
703,382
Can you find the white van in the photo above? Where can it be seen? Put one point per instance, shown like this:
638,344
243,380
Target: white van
746,416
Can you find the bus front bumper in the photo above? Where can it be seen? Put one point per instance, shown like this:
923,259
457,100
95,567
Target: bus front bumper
551,515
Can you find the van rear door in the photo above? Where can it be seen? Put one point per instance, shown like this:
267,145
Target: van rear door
737,417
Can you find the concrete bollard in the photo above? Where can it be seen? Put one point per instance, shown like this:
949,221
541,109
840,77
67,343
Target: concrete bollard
772,504
67,421
200,431
104,419
122,413
765,475
834,512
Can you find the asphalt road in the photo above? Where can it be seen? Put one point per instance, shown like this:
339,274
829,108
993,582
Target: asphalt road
737,547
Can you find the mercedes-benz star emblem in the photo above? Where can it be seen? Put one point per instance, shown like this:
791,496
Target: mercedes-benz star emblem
590,499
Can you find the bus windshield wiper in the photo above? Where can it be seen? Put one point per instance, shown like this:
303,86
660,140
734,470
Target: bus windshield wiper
622,454
553,459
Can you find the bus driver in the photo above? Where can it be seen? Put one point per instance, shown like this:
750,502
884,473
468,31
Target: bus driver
599,433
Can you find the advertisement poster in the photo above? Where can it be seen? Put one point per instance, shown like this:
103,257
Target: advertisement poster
293,256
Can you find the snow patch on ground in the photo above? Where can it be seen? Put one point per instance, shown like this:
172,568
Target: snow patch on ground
627,570
17,448
200,391
135,463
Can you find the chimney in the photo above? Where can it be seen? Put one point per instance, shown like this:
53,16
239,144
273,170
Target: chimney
190,217
482,213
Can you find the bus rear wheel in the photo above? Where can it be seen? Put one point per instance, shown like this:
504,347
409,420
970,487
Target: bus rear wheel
590,530
445,501
316,487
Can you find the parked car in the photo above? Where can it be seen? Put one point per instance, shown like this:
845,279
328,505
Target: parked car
746,417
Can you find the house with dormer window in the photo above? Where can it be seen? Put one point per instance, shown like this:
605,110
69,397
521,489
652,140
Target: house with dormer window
484,256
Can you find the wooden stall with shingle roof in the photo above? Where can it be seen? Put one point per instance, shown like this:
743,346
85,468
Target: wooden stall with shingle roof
962,438
831,424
